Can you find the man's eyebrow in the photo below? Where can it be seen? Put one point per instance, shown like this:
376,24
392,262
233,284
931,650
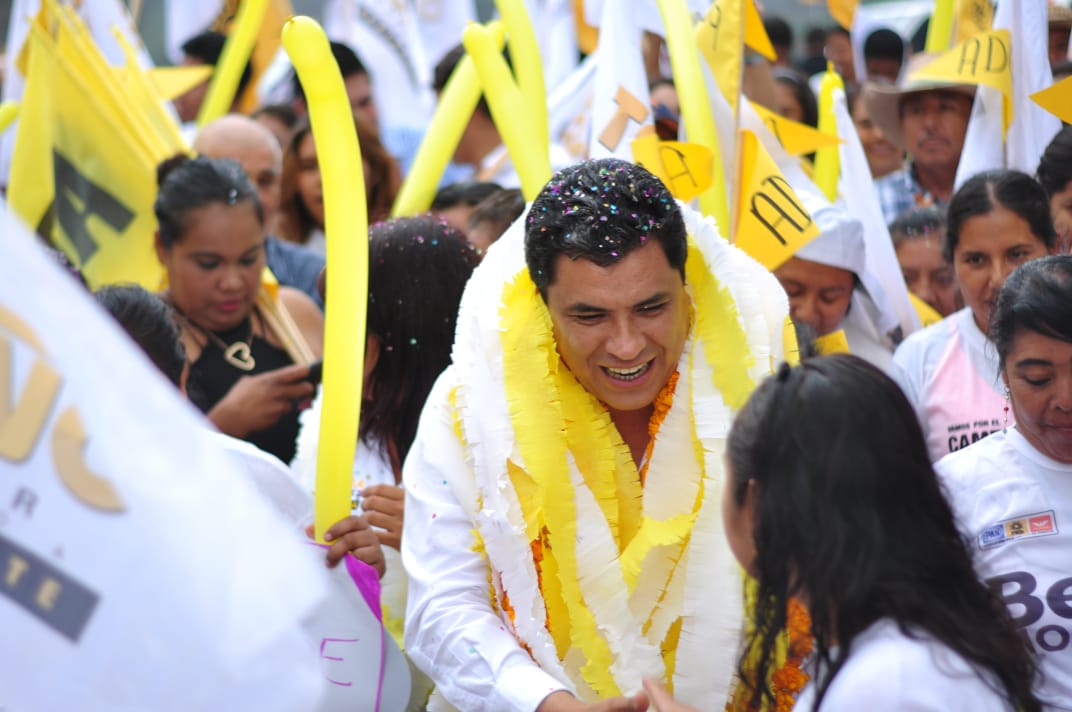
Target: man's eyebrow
585,308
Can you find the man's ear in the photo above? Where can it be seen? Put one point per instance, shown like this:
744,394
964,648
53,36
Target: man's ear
162,252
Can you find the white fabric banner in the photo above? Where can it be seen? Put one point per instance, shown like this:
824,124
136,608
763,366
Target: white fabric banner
141,564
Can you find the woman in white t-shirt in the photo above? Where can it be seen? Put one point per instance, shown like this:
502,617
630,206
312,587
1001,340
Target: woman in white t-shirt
996,221
418,270
830,499
1012,492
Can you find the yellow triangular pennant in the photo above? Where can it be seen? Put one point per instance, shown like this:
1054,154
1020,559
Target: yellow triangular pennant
718,36
755,34
170,82
983,59
1056,99
772,223
843,11
685,168
796,138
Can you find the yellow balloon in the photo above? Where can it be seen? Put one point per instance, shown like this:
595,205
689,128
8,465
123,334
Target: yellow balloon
456,104
236,53
528,66
827,160
695,107
531,159
346,226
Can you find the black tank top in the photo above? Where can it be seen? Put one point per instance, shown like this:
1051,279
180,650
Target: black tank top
211,377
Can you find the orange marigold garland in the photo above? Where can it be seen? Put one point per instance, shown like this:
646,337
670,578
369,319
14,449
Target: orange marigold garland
789,679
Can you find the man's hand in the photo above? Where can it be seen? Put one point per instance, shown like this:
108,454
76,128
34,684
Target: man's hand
661,699
562,701
383,508
353,536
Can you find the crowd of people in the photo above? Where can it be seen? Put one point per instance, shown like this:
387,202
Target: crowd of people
579,422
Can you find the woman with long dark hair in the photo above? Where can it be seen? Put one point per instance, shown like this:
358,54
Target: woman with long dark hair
831,500
1013,490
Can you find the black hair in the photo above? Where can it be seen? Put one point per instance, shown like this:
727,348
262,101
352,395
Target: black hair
1055,167
601,210
809,107
849,516
779,32
284,113
418,270
884,44
914,223
836,30
207,47
1036,297
1013,190
445,68
499,210
464,193
186,184
148,321
345,58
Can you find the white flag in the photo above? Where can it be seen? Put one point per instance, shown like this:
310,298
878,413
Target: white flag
387,38
141,571
1032,127
621,106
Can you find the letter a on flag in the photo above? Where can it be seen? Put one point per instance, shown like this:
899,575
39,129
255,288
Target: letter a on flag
772,222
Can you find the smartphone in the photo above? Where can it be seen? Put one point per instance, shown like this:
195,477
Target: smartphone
316,371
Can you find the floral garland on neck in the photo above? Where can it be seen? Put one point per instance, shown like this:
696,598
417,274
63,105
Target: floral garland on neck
789,679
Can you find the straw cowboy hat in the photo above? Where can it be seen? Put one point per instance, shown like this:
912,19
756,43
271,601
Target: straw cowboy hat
883,100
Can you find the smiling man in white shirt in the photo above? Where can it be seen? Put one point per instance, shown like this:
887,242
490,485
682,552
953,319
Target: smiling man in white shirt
563,533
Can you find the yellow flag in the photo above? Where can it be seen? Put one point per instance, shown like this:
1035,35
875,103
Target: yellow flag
719,37
77,177
1056,99
275,16
170,82
833,343
973,17
772,222
843,11
792,346
755,34
685,168
983,59
796,138
927,314
827,160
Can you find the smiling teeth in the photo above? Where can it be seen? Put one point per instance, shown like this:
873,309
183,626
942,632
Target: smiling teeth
628,374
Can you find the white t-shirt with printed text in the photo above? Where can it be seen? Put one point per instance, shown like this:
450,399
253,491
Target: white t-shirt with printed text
949,371
1015,505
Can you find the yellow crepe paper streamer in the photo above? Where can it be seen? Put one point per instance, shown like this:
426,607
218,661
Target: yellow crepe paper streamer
236,52
719,326
531,160
695,107
9,111
940,30
543,397
525,53
827,160
346,225
455,107
529,375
